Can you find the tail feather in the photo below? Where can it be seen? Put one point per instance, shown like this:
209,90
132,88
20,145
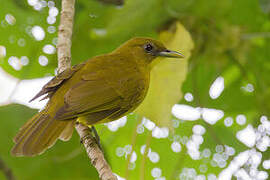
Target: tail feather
24,134
68,131
36,140
30,123
40,133
31,138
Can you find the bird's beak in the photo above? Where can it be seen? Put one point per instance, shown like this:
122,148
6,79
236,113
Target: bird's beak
170,54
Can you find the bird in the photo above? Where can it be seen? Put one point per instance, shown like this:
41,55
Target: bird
100,90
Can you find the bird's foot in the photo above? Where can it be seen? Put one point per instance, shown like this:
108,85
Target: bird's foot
96,136
84,138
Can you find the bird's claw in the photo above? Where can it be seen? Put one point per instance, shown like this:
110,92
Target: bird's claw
96,136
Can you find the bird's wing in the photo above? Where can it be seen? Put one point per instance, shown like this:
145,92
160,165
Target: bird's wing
51,87
90,95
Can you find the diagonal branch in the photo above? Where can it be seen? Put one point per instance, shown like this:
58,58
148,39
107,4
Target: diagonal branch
64,62
115,2
94,153
6,170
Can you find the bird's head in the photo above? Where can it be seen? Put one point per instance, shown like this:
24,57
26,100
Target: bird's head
146,50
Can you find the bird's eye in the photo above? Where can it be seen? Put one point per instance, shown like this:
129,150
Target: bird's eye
148,47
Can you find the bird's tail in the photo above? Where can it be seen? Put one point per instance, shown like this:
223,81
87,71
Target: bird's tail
40,133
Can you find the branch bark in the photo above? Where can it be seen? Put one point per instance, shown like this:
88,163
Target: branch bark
64,62
65,34
6,170
94,153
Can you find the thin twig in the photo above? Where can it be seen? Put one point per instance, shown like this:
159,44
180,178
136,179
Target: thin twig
6,170
179,163
145,154
115,2
133,142
64,62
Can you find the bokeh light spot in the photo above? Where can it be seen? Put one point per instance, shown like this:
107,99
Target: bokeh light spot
3,51
176,147
241,119
10,19
188,97
228,121
49,49
43,60
156,172
38,33
216,88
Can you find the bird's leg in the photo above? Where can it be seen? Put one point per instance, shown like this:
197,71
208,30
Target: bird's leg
96,136
82,139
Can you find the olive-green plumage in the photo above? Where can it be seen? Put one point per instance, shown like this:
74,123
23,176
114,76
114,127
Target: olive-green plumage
100,90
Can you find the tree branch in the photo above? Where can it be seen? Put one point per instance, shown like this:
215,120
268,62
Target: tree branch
94,153
6,170
65,34
64,62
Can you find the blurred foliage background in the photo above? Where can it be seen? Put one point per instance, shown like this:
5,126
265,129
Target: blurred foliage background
231,44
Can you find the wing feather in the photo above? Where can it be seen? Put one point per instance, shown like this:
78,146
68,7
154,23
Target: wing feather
56,82
92,94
